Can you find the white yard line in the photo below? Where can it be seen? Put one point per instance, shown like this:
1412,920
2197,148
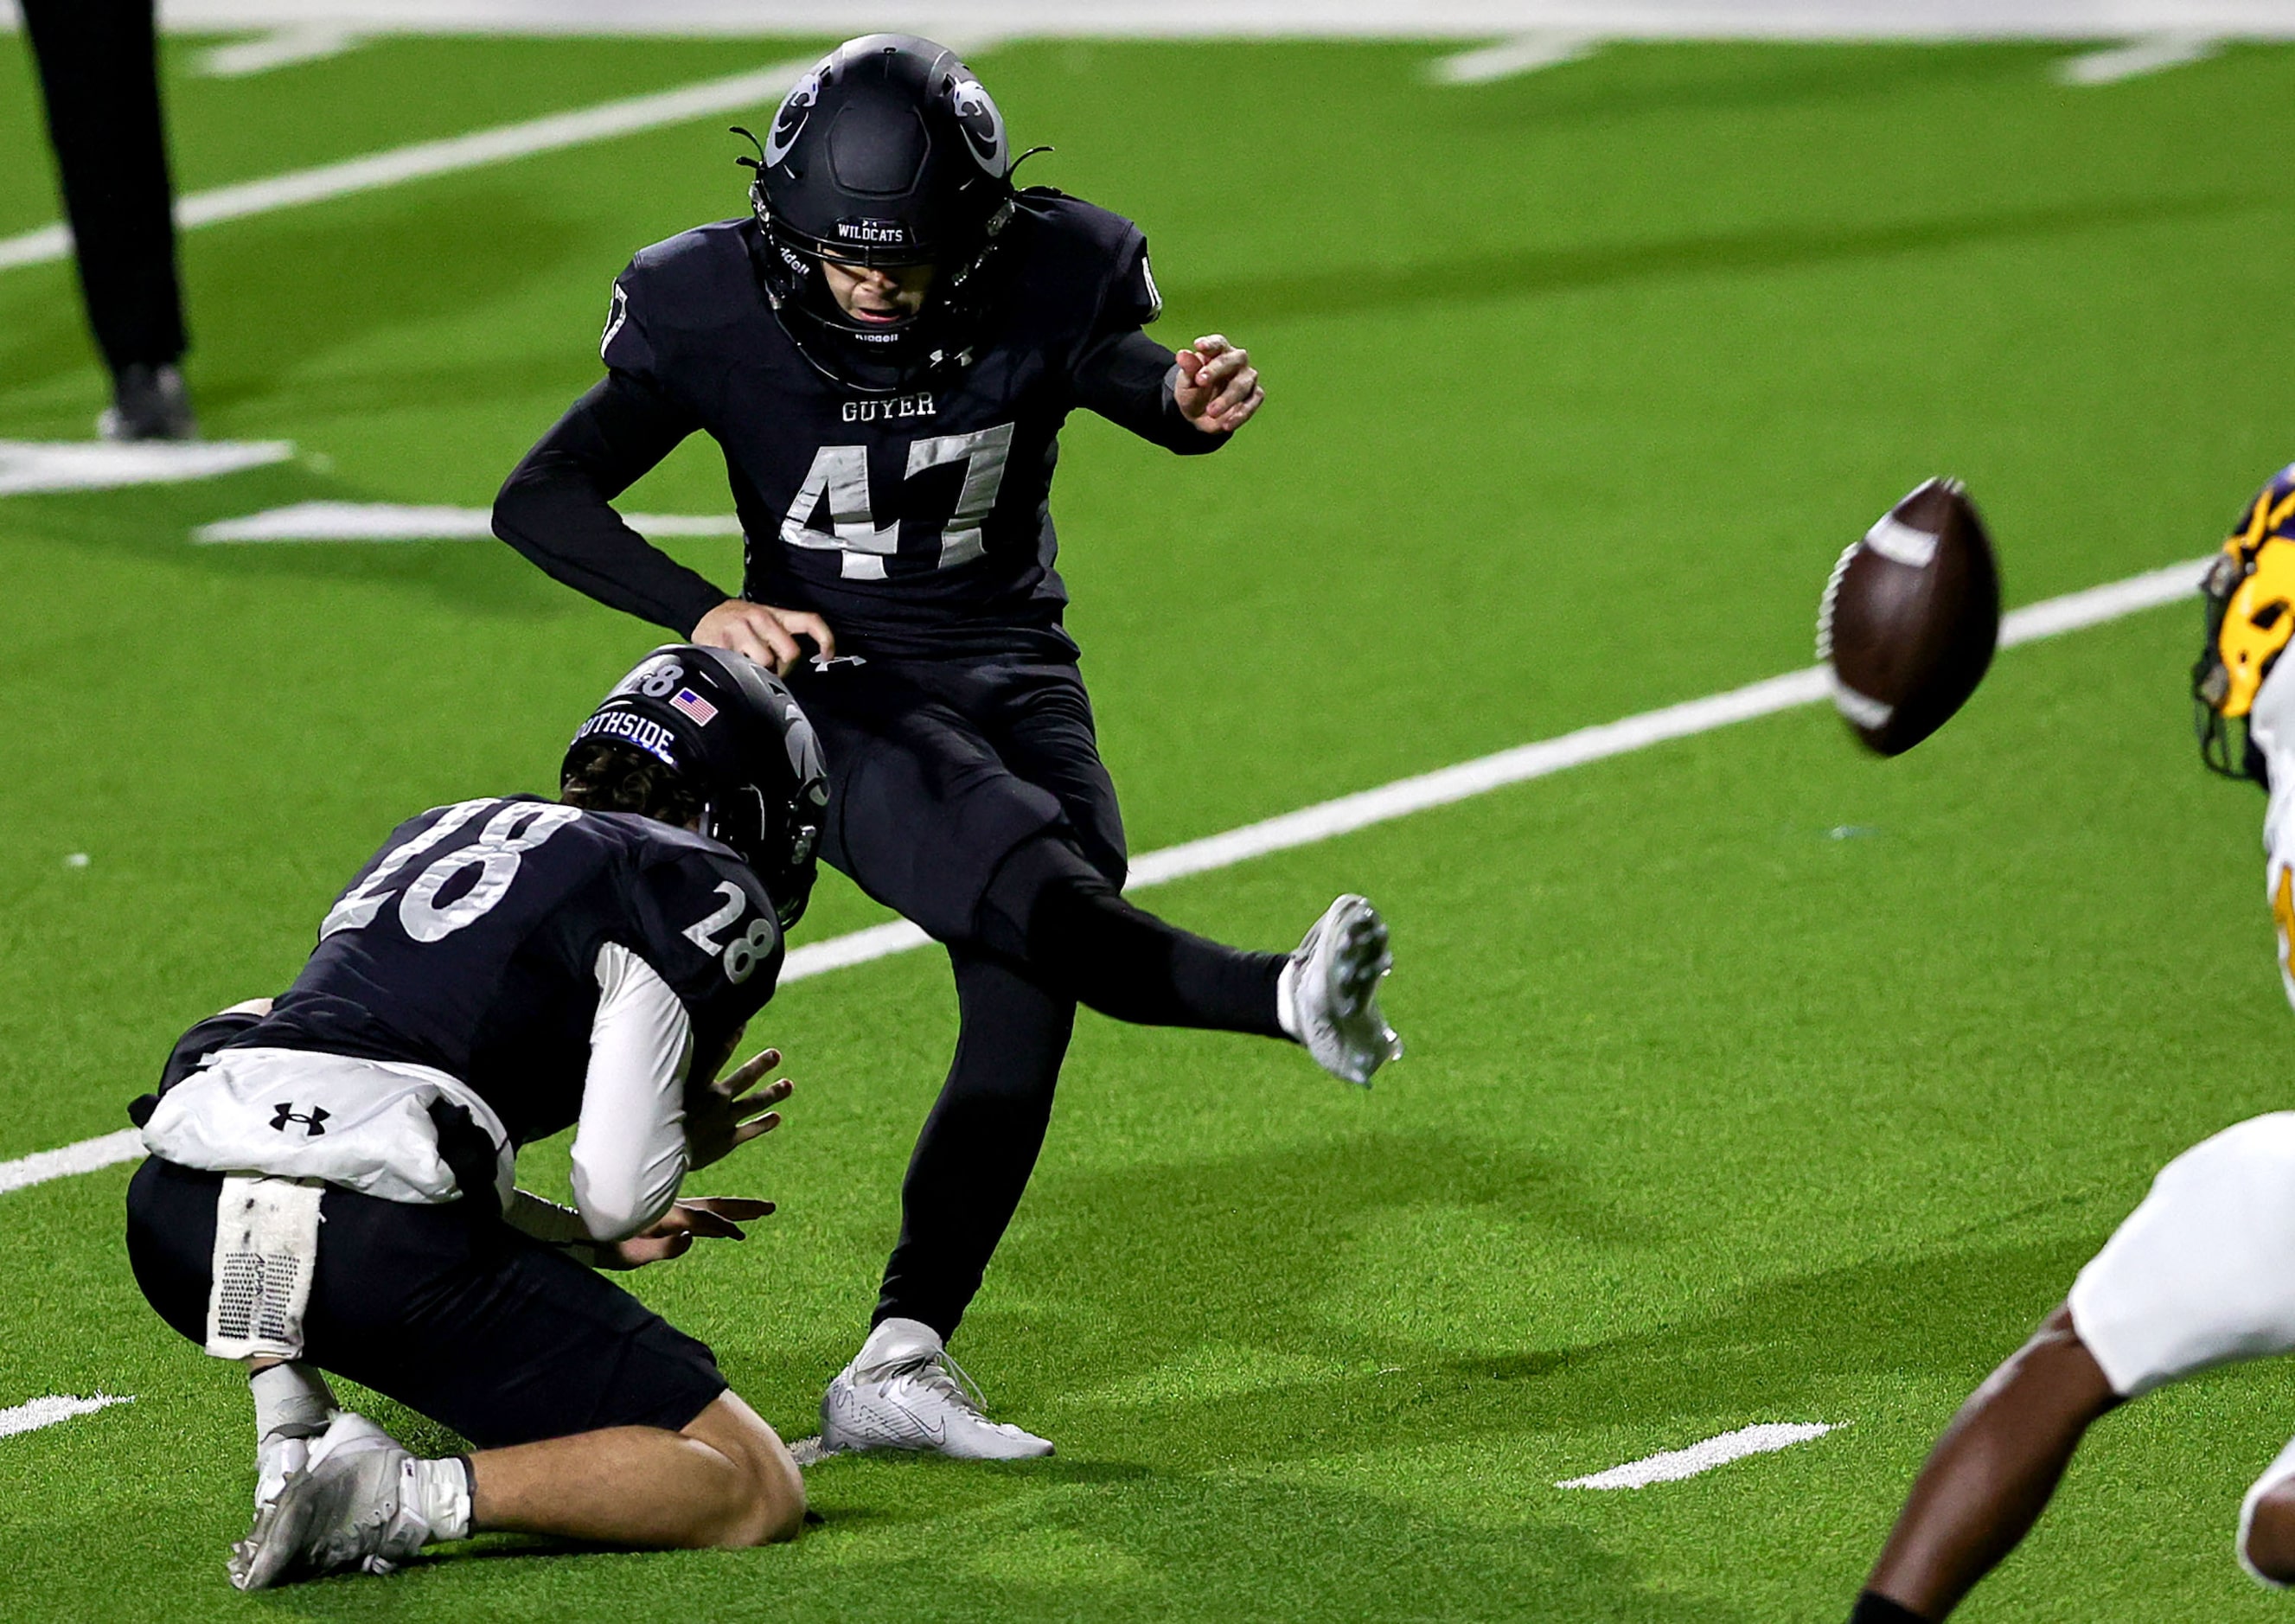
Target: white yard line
1675,1464
2135,59
46,1412
1400,799
303,29
84,1157
391,521
283,48
1523,54
741,93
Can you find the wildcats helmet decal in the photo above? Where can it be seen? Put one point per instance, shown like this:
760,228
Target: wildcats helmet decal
2251,617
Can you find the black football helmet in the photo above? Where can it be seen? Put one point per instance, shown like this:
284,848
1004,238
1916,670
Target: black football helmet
888,153
729,731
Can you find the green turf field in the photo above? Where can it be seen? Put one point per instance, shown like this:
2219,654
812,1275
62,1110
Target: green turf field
1751,1079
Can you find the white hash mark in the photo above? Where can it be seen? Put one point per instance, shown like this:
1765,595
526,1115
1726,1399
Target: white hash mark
60,1406
1673,1465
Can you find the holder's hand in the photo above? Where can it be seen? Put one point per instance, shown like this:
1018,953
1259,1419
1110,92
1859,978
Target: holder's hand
705,1218
723,1116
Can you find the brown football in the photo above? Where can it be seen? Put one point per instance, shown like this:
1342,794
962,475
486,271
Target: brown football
1910,618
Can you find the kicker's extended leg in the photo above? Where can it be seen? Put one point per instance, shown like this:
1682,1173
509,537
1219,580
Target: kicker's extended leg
1051,909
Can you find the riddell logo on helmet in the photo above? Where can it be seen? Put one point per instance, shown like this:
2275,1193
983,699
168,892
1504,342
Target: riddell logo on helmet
873,233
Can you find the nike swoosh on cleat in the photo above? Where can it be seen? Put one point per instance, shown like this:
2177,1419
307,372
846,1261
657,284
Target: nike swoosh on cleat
935,1431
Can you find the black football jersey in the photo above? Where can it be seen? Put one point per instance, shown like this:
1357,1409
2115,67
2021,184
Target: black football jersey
469,943
916,524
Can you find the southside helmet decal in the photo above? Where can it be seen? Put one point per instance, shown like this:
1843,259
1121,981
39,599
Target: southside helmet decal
633,728
732,733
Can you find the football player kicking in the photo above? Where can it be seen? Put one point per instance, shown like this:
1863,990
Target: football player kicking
2202,1273
331,1186
885,350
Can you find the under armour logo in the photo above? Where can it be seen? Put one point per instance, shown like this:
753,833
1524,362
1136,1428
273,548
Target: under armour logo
314,1123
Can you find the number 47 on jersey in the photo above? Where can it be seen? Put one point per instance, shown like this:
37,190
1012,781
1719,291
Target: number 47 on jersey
840,473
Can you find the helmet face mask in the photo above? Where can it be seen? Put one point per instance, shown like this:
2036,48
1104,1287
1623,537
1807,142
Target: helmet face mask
2250,592
730,731
889,153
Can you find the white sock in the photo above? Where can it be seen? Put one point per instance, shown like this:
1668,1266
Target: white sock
438,1492
292,1401
1286,999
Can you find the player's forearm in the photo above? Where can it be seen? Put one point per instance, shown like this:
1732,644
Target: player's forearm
556,509
555,518
1128,379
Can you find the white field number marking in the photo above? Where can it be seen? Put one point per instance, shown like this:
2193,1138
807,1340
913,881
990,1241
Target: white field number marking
47,1412
1675,1464
1808,686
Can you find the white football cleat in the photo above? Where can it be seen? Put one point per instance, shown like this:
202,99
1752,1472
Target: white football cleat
343,1507
1330,989
276,1458
903,1391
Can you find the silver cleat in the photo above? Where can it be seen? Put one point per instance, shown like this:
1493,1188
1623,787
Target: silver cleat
341,1509
903,1391
1335,992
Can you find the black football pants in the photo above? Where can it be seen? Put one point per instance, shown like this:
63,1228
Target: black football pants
1053,932
970,797
99,73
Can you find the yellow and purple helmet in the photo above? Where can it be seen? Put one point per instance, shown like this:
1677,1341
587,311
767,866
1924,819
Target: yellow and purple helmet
2251,598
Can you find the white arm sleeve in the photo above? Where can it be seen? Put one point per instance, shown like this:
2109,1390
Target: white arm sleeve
629,1148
